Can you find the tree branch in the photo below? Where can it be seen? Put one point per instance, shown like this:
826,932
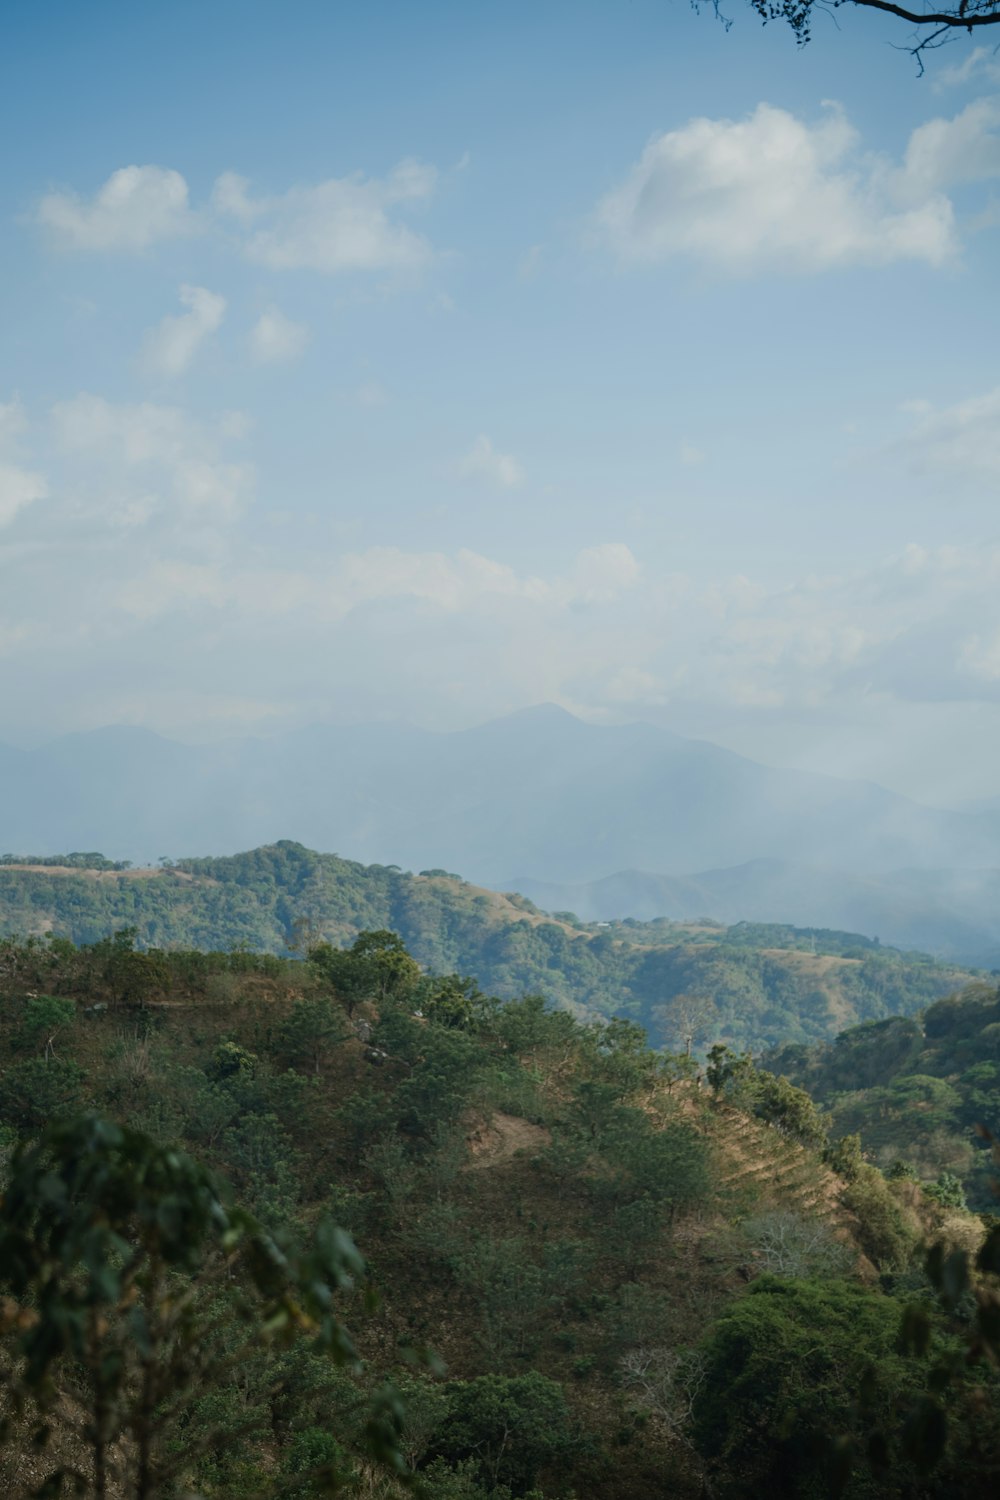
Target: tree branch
963,17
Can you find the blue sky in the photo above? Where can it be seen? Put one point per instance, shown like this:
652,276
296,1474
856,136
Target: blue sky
388,361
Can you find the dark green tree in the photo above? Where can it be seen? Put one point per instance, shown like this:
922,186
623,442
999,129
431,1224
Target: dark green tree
514,1428
311,1032
778,1413
116,1255
375,967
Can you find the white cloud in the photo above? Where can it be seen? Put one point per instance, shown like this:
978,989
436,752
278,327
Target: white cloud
342,224
13,422
601,573
962,441
275,339
772,192
169,585
463,582
483,462
135,207
135,555
450,583
349,223
690,456
231,196
169,348
18,489
135,461
981,62
942,153
981,658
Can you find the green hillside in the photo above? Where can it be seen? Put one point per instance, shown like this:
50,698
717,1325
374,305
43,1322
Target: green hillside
630,1284
748,985
922,1091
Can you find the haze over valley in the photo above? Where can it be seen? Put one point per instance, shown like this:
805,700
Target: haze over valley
607,821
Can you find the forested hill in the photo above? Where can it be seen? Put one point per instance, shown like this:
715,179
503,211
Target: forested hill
746,985
920,1091
632,1285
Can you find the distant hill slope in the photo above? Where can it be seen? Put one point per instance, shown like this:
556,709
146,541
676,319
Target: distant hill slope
539,793
917,1089
954,914
750,987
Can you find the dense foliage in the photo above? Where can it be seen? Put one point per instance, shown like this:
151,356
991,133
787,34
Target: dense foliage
686,984
923,1092
586,1233
75,861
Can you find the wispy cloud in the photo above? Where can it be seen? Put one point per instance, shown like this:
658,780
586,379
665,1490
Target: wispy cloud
980,63
275,339
961,441
19,487
341,224
169,348
484,462
134,462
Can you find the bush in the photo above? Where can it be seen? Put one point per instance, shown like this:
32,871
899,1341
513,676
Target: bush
44,1016
39,1090
512,1428
844,1157
784,1369
885,1233
947,1191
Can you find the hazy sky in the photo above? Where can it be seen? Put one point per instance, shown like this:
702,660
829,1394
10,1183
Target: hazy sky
429,361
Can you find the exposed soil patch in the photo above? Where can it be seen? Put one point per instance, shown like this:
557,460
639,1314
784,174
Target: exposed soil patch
501,1137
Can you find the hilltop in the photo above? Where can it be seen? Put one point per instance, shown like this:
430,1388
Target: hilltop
748,986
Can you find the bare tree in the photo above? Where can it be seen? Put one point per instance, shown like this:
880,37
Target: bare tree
686,1019
665,1382
785,1243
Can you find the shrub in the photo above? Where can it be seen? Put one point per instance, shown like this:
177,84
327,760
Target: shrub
514,1428
885,1233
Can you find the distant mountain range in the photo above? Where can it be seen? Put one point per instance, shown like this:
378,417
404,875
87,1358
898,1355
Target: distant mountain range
954,914
535,800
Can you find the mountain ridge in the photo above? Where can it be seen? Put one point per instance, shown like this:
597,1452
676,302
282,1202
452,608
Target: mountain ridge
539,794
